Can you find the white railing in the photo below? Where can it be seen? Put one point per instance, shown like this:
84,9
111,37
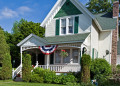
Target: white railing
62,68
16,71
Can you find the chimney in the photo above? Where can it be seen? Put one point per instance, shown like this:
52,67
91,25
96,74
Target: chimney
116,9
115,35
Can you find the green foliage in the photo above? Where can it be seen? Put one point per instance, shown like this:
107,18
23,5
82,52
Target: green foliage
85,68
100,70
100,6
36,78
20,30
57,79
51,77
26,70
68,78
3,45
6,72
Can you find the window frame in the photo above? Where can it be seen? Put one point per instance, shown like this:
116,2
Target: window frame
67,25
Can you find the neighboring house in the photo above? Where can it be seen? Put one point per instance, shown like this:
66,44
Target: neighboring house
71,27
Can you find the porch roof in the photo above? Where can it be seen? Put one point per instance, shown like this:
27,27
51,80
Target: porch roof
37,41
67,39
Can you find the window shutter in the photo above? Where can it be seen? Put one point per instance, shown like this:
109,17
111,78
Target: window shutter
93,54
76,24
57,26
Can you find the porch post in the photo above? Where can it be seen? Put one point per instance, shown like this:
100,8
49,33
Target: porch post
48,60
36,58
21,54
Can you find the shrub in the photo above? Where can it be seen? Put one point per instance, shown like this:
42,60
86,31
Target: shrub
100,69
6,72
57,79
85,68
26,70
36,78
68,78
48,76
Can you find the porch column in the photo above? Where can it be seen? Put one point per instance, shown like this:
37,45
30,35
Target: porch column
21,54
36,58
48,60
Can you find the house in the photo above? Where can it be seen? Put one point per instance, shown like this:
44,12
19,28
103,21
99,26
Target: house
71,27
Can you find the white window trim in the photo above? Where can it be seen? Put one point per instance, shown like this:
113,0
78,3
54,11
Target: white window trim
67,23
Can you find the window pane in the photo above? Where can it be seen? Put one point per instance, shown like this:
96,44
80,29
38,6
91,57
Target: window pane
70,29
67,59
70,21
63,30
57,57
63,22
75,56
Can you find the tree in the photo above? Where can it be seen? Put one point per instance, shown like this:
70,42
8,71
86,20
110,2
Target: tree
26,70
6,72
100,6
3,45
20,30
5,58
85,68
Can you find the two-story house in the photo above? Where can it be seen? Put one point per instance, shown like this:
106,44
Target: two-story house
71,27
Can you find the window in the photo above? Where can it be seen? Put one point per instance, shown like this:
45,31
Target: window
70,26
57,55
67,26
67,59
63,26
75,55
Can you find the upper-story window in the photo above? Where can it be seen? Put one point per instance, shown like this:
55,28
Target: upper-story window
67,26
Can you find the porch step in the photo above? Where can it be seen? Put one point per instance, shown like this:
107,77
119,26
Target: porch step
18,79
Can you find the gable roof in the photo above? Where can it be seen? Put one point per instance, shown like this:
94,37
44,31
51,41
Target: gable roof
67,39
59,4
106,21
43,42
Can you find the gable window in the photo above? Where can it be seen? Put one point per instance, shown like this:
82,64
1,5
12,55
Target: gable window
67,26
63,26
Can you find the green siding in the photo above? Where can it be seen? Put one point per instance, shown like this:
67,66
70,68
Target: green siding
68,9
57,26
93,54
76,24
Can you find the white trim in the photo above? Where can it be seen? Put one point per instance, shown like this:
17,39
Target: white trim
67,24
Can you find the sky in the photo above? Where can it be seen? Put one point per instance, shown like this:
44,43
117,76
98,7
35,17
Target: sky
30,10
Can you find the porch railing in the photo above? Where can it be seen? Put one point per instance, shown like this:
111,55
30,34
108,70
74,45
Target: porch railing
62,68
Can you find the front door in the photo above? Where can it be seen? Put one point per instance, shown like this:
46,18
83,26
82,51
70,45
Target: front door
41,58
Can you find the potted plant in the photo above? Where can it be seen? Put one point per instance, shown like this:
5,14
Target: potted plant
63,54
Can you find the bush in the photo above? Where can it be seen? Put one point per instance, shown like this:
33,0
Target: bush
68,78
57,79
46,74
6,72
85,68
36,78
26,70
100,70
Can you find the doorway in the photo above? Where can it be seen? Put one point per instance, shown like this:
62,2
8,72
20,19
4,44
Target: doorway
41,59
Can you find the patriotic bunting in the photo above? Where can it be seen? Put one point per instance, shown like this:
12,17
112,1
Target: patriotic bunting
47,50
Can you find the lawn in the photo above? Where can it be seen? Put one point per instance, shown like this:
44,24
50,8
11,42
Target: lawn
11,83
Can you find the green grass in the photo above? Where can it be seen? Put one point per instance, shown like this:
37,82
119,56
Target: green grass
11,83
